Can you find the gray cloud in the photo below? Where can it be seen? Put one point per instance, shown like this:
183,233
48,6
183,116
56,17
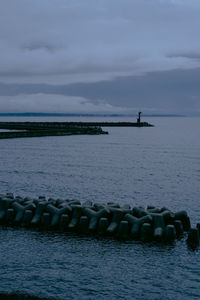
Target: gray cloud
48,103
159,92
82,41
194,55
121,54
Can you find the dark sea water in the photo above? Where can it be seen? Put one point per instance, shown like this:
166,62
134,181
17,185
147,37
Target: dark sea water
140,166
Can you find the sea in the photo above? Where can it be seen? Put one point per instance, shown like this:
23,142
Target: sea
157,166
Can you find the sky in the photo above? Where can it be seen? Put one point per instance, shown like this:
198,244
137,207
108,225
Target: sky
100,56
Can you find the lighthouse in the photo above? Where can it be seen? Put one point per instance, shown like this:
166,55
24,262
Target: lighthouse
139,117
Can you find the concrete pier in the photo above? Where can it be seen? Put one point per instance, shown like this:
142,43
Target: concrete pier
39,129
67,125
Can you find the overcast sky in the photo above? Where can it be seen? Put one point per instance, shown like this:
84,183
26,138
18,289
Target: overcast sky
115,56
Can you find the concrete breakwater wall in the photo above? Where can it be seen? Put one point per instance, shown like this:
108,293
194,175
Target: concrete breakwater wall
40,133
110,219
34,126
38,129
67,125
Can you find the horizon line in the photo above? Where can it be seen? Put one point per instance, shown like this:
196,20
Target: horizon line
42,114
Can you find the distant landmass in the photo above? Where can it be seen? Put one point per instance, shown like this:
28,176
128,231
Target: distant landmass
32,114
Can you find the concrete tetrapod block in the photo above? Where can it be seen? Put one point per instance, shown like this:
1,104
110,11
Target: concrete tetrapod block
60,202
154,210
193,238
126,211
198,227
167,215
76,214
10,215
63,223
45,220
52,202
164,208
65,205
98,206
28,215
158,226
68,204
4,205
40,208
20,210
94,217
56,213
186,224
136,224
83,224
179,228
139,212
123,230
117,215
87,203
43,198
170,233
126,206
19,199
74,202
183,217
113,204
27,200
37,201
150,207
102,226
146,232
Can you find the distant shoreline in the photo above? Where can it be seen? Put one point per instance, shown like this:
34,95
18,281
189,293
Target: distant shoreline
30,114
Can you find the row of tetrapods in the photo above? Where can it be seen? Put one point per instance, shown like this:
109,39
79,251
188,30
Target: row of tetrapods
111,219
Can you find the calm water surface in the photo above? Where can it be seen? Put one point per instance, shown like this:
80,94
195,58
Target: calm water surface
138,166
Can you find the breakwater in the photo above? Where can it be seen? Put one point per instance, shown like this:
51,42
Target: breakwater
67,125
116,124
110,219
38,129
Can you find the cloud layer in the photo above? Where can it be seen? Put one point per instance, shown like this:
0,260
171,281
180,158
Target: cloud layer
47,103
100,56
63,41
